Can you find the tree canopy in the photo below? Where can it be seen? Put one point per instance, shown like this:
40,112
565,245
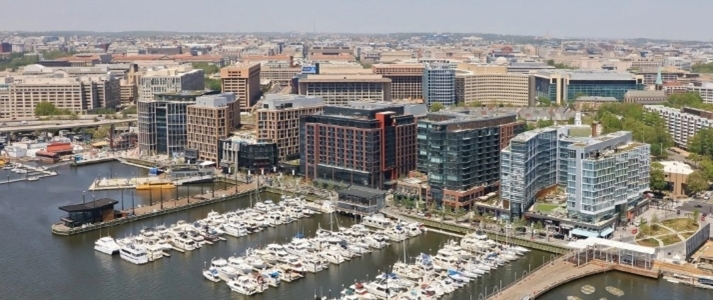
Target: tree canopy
212,84
436,107
45,108
552,63
647,127
702,143
688,99
696,182
658,180
208,69
702,67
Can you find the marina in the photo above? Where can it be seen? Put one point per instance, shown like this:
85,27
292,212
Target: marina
17,172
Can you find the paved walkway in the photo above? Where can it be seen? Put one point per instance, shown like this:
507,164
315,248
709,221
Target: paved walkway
185,200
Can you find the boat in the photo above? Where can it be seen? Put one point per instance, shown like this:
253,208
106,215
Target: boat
239,264
155,185
377,221
379,289
107,245
235,229
134,254
245,285
33,178
357,292
271,277
212,274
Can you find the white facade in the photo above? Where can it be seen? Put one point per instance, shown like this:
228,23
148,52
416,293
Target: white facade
705,89
170,80
682,126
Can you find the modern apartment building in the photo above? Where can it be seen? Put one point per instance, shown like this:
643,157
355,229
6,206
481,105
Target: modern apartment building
682,123
604,177
406,79
512,89
562,86
20,96
362,145
342,89
162,122
209,120
244,81
439,83
705,89
161,80
245,153
278,121
460,152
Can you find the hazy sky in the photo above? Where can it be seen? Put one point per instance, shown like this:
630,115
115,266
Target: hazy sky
690,19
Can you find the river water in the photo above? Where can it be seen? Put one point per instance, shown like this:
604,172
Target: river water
35,264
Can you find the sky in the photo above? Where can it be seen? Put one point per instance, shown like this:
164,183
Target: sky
689,20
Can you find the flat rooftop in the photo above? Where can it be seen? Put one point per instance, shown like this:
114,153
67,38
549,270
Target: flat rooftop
589,74
676,167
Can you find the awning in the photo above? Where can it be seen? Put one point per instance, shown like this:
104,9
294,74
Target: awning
582,232
606,232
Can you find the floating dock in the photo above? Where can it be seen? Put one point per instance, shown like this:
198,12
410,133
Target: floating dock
32,174
131,183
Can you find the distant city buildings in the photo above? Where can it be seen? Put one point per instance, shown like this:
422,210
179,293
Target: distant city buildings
490,88
406,79
705,89
244,81
439,84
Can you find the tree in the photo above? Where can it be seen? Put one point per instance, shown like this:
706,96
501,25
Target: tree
695,215
101,132
208,69
702,142
545,123
705,165
45,108
702,67
212,84
437,106
655,222
544,102
657,180
696,182
475,104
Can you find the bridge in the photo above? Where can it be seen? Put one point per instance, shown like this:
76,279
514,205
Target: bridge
55,125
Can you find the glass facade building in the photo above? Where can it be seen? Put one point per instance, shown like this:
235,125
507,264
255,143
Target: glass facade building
563,86
439,84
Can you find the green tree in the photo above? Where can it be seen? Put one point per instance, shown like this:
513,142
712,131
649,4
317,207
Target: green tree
696,182
655,222
475,104
702,142
579,94
208,69
544,102
45,108
702,67
437,106
695,215
212,84
131,110
705,165
689,99
658,180
542,123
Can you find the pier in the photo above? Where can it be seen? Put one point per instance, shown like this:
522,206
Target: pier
31,174
131,183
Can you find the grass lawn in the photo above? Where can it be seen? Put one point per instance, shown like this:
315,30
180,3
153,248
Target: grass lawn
686,235
652,232
546,207
682,224
648,243
669,239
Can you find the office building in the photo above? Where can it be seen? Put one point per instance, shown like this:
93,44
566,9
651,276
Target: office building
604,177
645,97
676,174
562,86
162,122
360,200
678,63
682,123
245,153
460,152
341,89
505,89
279,73
209,120
20,96
244,81
439,84
170,80
363,145
705,89
406,79
278,121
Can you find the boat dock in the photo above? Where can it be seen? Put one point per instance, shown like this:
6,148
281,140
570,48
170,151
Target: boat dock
30,174
92,161
162,208
131,183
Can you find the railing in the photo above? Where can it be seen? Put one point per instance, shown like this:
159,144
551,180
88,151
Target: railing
516,281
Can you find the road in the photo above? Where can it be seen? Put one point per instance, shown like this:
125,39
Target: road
703,206
59,124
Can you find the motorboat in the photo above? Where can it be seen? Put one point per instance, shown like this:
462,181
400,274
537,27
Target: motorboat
245,285
271,277
332,257
395,281
235,229
212,274
396,233
288,274
239,264
278,251
424,262
357,292
253,260
183,242
407,271
134,254
377,221
107,245
154,251
413,229
313,263
273,219
380,289
444,262
458,276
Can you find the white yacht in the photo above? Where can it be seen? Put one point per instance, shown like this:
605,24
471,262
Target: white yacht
239,264
253,260
184,243
379,289
377,221
134,254
245,285
212,274
313,263
443,262
235,229
271,277
332,257
407,271
107,245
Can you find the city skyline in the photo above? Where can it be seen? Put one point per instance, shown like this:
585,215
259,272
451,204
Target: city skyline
603,19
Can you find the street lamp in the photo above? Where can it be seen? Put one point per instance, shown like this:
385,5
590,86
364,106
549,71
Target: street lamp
83,198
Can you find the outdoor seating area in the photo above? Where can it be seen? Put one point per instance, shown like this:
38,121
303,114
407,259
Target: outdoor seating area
613,252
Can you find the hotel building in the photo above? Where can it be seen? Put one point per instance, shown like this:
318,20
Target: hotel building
278,121
209,120
439,84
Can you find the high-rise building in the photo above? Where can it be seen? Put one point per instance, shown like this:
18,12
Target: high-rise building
682,123
439,84
362,144
209,120
460,152
604,177
20,96
406,79
506,89
561,86
278,121
244,81
342,89
170,80
162,122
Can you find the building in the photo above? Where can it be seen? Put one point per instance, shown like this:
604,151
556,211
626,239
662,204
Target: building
20,96
362,145
170,80
360,200
406,79
592,103
562,86
604,177
645,97
678,63
506,89
162,122
209,120
460,152
439,84
342,89
676,173
682,123
280,73
5,47
705,89
245,153
278,121
244,81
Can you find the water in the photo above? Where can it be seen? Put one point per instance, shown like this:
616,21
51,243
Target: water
35,263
